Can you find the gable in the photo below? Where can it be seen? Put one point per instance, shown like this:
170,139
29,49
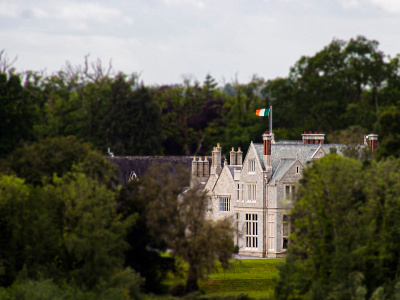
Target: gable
252,155
225,183
318,153
293,173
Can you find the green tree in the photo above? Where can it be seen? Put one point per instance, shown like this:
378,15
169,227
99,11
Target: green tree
92,233
345,232
18,113
177,214
58,156
133,122
144,250
322,261
389,126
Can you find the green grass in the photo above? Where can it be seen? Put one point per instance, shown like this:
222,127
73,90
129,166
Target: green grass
254,277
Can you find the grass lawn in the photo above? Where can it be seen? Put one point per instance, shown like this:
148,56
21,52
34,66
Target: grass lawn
254,277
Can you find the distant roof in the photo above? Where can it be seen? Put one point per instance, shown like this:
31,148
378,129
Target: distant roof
283,166
288,150
140,164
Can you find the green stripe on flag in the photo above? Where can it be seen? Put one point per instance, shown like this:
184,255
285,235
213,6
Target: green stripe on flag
264,112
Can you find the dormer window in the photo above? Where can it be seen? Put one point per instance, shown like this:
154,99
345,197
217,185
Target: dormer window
252,165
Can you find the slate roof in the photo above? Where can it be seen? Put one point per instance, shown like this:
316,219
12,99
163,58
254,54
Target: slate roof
286,151
283,166
140,164
232,170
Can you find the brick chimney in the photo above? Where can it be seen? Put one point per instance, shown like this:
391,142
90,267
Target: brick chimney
313,138
372,141
267,140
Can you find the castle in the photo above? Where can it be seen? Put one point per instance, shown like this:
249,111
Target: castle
255,191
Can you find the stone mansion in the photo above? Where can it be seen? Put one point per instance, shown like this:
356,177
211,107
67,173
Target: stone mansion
255,190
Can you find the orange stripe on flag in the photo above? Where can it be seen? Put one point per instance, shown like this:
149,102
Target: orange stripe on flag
258,112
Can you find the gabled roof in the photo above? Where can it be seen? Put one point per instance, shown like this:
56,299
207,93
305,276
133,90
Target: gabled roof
290,150
229,171
283,166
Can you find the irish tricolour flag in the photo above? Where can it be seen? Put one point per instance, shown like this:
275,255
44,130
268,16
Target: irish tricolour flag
263,112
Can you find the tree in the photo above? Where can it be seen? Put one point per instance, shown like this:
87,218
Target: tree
59,155
18,113
143,254
321,258
133,122
345,232
177,214
92,234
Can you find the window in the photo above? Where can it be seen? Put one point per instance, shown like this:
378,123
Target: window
251,192
224,203
252,165
271,234
285,231
290,192
297,170
251,231
238,192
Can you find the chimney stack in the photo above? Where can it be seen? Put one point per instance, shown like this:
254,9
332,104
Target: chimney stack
372,141
232,161
200,167
267,140
194,167
206,167
313,138
216,167
239,157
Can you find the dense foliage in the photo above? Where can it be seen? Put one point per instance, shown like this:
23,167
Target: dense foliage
344,241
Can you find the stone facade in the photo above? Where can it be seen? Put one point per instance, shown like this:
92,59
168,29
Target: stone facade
257,194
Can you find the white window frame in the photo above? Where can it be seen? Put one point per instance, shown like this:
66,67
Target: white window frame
251,166
271,235
251,192
238,192
224,203
251,236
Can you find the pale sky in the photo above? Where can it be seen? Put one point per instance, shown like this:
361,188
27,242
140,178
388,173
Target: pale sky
167,40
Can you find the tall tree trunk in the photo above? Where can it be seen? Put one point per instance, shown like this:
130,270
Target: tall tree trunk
191,282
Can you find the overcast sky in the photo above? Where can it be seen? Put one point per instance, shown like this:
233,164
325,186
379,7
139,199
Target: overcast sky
167,40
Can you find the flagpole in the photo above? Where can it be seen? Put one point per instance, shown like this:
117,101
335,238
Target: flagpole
270,119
